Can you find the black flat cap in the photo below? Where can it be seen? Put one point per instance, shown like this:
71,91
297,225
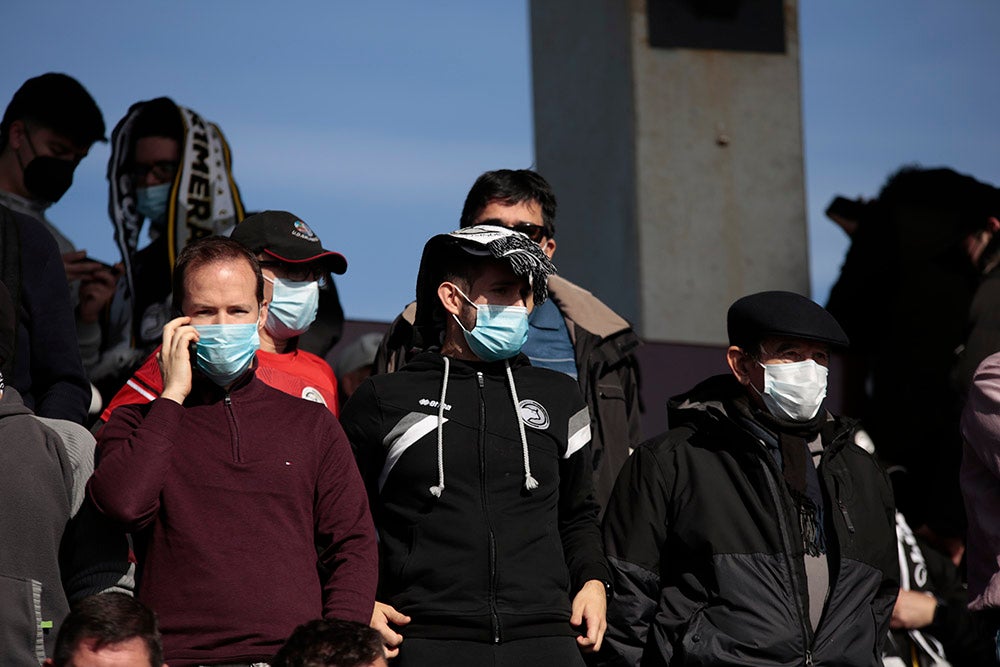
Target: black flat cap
758,316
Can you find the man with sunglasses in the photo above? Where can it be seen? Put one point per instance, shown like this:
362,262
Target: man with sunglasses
47,129
293,262
573,332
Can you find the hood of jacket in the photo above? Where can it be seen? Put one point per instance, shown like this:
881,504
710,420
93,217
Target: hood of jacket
12,404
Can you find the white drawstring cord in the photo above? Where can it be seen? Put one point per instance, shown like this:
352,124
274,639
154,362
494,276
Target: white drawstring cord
436,490
530,483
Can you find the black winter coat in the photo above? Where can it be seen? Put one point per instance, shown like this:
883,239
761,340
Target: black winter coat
704,540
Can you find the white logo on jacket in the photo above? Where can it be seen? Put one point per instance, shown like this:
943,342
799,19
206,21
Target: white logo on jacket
533,414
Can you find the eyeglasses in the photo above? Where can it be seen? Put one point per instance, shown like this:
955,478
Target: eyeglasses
296,273
163,171
534,232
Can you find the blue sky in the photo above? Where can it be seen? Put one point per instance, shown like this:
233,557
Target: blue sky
371,120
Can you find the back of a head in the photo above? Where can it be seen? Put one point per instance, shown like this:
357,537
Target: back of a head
510,186
968,202
332,643
59,103
107,619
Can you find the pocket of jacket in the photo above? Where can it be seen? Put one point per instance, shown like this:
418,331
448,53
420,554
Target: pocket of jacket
22,631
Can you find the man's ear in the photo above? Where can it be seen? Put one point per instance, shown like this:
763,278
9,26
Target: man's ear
451,299
262,316
739,363
549,247
993,225
15,134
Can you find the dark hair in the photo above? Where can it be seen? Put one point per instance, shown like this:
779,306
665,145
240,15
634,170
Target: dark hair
330,643
157,118
447,262
108,619
510,186
210,250
970,202
59,103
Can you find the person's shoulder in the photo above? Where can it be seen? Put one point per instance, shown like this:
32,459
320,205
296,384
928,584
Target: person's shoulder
33,234
584,309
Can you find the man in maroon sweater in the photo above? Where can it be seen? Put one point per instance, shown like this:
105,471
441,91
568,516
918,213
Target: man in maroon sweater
231,488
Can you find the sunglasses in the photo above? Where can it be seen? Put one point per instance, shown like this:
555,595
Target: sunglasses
534,232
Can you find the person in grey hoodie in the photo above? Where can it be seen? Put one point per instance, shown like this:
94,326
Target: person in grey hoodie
52,553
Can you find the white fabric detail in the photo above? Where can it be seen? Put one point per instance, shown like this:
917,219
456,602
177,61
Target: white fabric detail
577,441
403,442
142,392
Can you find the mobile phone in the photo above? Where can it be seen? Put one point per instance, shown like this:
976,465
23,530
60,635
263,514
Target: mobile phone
849,209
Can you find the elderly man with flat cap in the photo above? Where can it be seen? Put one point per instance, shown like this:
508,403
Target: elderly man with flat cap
759,529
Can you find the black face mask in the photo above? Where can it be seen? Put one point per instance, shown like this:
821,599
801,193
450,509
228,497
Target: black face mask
48,178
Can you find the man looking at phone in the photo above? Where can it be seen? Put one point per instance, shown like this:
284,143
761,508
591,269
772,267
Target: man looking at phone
231,488
46,130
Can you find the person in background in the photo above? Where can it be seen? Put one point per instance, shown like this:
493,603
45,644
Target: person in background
111,630
170,175
247,511
53,552
46,130
292,260
332,643
355,363
760,528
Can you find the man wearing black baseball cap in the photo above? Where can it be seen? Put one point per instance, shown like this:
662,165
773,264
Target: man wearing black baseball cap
760,528
293,261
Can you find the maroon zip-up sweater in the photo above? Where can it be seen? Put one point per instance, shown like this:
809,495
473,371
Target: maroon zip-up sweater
230,498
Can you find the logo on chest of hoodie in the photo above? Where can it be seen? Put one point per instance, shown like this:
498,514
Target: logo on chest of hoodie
433,403
533,414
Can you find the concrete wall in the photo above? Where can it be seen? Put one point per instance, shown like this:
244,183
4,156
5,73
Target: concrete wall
679,171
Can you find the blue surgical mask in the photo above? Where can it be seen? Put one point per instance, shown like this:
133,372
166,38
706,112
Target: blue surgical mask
151,202
500,331
224,351
293,307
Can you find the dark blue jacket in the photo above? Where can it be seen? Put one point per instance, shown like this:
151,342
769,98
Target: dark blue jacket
48,372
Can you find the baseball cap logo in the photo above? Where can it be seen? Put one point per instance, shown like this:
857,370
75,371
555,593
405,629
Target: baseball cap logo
301,230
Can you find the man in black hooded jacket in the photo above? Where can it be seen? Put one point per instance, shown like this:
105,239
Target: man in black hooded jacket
478,473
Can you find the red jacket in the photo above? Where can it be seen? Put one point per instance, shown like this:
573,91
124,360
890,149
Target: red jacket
298,373
230,498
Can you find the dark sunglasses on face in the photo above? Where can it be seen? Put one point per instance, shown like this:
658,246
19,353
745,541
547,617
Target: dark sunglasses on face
534,232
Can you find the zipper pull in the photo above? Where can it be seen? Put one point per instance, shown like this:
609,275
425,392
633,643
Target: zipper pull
809,658
227,401
847,517
479,376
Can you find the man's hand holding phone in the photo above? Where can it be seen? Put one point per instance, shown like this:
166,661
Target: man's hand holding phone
174,357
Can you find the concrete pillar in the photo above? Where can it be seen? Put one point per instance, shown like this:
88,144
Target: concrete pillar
679,171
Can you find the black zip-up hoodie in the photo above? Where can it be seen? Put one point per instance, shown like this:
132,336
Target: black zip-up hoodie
466,550
704,540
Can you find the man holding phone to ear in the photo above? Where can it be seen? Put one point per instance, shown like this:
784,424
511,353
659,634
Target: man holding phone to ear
231,488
